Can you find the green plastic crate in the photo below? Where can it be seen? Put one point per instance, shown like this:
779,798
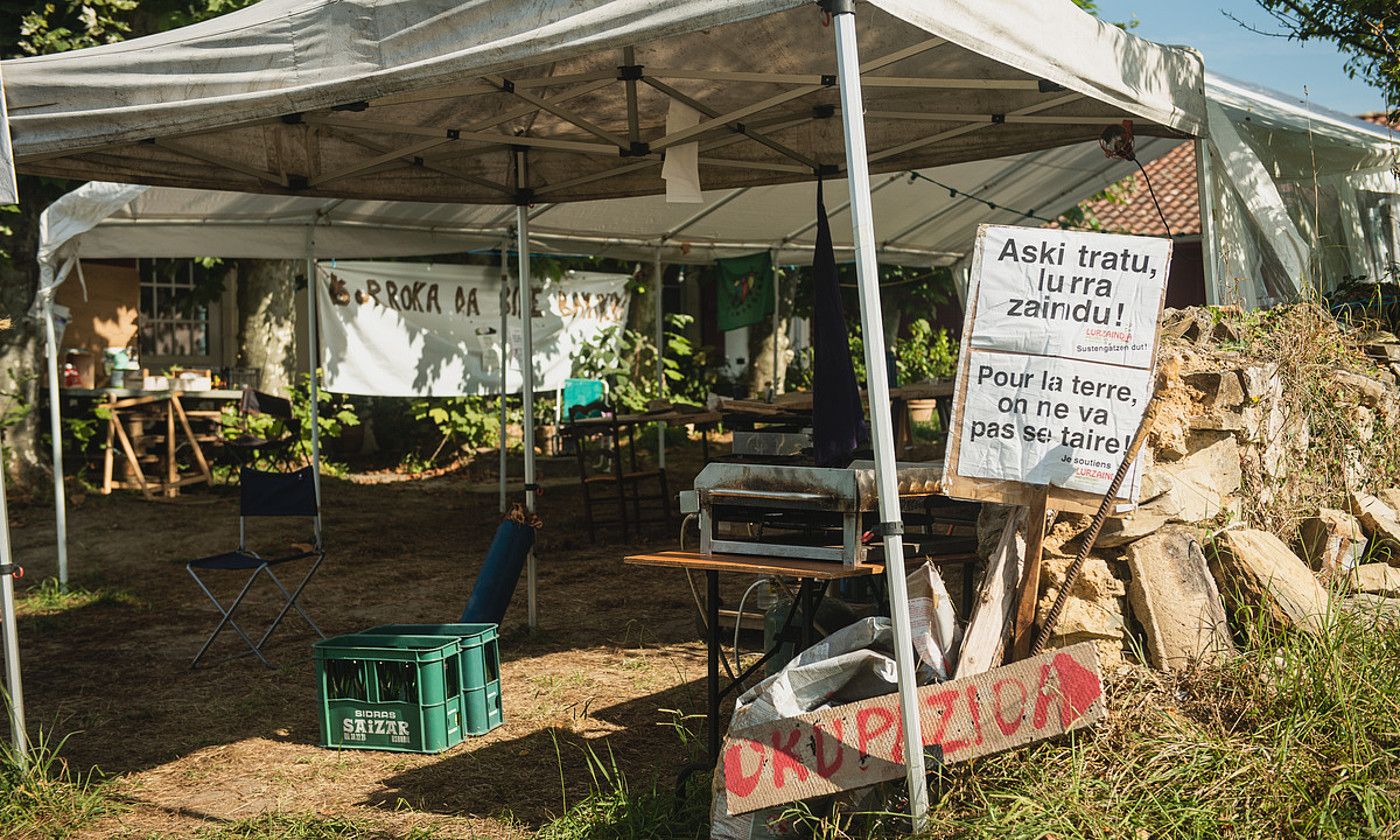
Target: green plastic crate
398,692
480,669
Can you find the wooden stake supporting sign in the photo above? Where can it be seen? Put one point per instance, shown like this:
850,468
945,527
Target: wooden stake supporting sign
859,744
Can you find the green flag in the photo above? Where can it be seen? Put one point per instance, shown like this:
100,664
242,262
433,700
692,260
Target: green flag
745,290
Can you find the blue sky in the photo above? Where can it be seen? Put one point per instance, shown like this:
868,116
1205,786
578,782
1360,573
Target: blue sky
1234,51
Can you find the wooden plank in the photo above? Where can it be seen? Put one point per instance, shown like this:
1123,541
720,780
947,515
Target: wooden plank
130,455
745,565
1030,581
193,439
858,744
985,637
108,456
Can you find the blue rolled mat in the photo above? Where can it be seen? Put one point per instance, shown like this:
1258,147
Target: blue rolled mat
499,574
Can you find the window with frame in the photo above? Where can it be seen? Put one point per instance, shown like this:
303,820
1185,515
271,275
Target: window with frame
178,321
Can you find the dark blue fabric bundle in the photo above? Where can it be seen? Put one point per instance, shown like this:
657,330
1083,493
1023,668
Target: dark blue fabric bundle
838,421
499,574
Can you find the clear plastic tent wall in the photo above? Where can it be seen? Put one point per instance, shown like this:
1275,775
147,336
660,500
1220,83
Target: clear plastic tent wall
1304,198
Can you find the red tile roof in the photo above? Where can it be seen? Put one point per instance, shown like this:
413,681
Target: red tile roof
1173,178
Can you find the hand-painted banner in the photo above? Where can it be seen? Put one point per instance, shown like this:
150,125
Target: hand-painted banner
414,329
859,744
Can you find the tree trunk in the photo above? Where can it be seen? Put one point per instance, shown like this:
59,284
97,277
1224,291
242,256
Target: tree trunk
22,352
762,376
267,321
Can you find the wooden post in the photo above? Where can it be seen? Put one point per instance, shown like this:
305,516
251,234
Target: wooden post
108,456
172,469
1030,582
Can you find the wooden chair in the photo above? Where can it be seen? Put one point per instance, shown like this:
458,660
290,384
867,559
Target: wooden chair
626,480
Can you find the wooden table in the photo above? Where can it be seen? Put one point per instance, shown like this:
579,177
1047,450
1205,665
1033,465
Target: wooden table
795,408
129,421
614,426
813,576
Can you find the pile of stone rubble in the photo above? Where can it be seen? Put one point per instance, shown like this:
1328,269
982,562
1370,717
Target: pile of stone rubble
1230,444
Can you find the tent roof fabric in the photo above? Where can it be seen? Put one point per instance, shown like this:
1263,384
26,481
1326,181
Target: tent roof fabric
919,223
427,100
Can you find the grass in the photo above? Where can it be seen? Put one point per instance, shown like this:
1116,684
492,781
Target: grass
1299,737
615,810
42,798
306,827
51,598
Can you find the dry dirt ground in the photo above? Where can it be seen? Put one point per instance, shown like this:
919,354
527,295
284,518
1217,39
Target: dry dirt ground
191,749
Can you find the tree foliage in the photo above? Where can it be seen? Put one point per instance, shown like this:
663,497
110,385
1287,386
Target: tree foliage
1367,31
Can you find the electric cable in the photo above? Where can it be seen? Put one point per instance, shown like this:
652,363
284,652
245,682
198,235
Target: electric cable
695,594
1155,203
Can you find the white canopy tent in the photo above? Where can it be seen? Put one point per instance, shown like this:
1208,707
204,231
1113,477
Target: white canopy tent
501,101
927,225
1296,196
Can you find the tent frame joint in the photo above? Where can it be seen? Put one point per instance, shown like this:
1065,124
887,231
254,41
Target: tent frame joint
629,73
635,149
838,7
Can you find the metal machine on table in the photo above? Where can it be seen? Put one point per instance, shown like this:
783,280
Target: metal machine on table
800,512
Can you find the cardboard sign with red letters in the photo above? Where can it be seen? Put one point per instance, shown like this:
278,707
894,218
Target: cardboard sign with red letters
859,744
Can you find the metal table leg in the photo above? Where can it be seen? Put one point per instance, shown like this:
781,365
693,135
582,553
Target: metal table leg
712,655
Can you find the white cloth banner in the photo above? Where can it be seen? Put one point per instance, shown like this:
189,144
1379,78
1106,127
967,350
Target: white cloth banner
414,329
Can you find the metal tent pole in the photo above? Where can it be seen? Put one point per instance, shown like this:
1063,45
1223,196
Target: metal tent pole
777,340
660,358
1210,245
505,349
527,361
313,353
867,274
18,735
60,501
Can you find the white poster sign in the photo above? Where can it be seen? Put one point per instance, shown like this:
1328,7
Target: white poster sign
9,187
414,329
1058,349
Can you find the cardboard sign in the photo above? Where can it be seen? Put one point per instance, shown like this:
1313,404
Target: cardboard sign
1059,344
859,744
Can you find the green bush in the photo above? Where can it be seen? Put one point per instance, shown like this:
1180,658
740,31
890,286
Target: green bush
626,360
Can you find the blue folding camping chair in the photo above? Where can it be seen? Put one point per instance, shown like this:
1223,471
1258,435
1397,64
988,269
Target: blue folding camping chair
264,494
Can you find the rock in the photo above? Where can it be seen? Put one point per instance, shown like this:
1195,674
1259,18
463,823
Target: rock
1255,568
1260,381
1376,579
1094,610
1363,388
1121,530
1173,596
1384,352
1193,489
1379,520
1220,389
1391,496
1332,542
1382,612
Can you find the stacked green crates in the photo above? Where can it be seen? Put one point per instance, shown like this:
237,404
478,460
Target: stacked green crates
409,688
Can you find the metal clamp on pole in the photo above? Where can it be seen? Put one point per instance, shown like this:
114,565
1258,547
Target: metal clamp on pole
838,7
12,569
888,529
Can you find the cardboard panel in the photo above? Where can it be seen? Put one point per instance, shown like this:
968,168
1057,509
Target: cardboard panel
859,744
